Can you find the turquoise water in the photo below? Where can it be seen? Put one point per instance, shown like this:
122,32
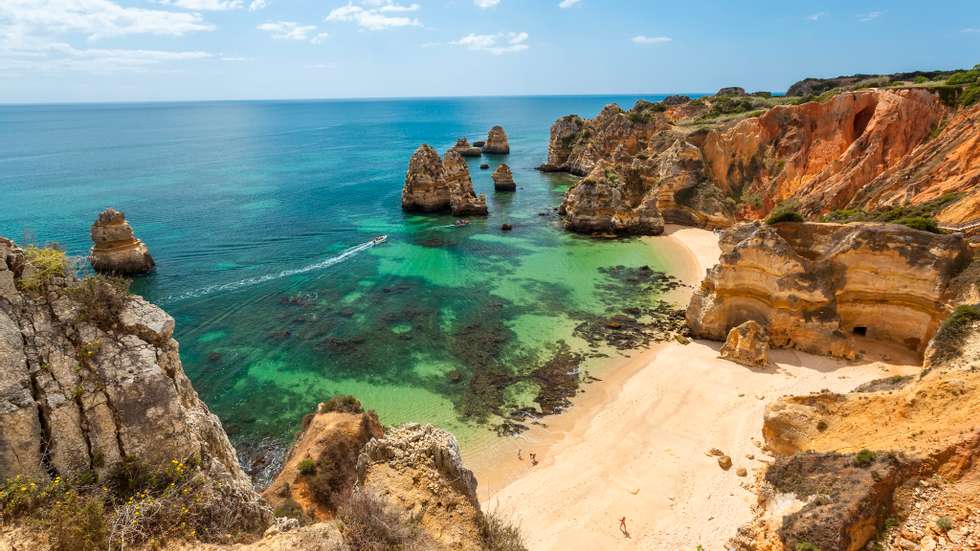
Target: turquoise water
260,214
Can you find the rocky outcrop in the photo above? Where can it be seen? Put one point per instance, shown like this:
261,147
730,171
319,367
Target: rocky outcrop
816,86
418,471
496,143
747,344
731,91
866,150
116,249
319,471
464,148
825,288
436,185
503,179
676,100
604,202
91,378
845,471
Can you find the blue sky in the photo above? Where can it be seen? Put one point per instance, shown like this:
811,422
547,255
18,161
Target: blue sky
134,50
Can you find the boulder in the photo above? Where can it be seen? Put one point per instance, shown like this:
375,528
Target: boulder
464,148
503,179
747,344
484,166
436,185
116,250
496,142
731,91
676,100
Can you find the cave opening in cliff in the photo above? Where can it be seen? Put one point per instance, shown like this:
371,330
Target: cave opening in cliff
860,330
861,120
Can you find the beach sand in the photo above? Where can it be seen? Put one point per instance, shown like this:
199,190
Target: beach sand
635,444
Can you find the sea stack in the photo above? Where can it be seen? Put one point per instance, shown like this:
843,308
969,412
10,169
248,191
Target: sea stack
115,249
434,185
503,179
464,148
497,142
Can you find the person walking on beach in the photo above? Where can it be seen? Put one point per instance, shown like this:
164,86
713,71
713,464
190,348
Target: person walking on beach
622,527
520,457
534,458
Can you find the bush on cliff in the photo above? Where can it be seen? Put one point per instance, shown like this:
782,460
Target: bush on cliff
368,525
102,299
342,403
499,534
47,263
923,223
953,331
784,213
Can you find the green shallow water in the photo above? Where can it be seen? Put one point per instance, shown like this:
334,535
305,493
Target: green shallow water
259,215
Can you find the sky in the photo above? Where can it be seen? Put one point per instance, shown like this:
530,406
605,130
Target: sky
162,50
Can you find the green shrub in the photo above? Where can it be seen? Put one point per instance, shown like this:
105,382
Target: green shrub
290,509
864,458
806,546
919,223
944,524
77,522
500,535
953,331
367,525
48,263
963,77
921,79
971,95
785,212
306,467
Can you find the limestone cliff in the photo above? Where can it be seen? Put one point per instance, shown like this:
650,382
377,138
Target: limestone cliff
91,380
503,179
717,159
116,249
496,143
830,288
436,185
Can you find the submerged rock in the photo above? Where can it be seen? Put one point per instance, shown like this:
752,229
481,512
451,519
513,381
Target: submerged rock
747,344
497,142
116,249
436,185
503,179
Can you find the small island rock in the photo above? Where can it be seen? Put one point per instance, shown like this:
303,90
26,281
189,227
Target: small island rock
464,148
116,250
497,142
503,179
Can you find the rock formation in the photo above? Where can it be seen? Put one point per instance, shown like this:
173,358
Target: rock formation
676,100
916,468
116,249
731,91
816,86
820,287
496,142
464,148
434,185
91,378
870,150
747,344
503,179
418,471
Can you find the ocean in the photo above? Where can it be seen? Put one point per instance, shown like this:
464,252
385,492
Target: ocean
260,216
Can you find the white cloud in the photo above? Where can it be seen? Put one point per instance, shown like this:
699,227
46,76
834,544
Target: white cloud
641,39
817,16
59,56
870,16
971,30
484,4
565,4
374,17
95,18
290,30
205,5
496,44
256,5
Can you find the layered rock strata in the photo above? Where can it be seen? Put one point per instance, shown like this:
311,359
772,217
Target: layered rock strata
747,344
436,185
503,179
464,148
497,142
115,249
88,383
830,288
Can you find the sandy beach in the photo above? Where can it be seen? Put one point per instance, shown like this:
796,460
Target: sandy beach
635,444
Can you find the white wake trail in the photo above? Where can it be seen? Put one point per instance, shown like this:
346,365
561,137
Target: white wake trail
248,282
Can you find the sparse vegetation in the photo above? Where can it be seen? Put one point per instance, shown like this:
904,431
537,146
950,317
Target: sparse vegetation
102,299
367,525
785,212
342,403
46,263
806,546
306,467
953,331
922,223
864,458
499,534
944,524
920,217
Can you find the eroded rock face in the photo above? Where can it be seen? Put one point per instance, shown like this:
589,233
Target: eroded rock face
503,179
747,344
496,142
435,185
418,471
821,288
605,202
83,395
464,148
116,249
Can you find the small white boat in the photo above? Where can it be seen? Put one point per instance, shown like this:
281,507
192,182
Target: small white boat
379,239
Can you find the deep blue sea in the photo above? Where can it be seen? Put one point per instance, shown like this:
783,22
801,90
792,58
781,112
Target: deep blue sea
259,216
